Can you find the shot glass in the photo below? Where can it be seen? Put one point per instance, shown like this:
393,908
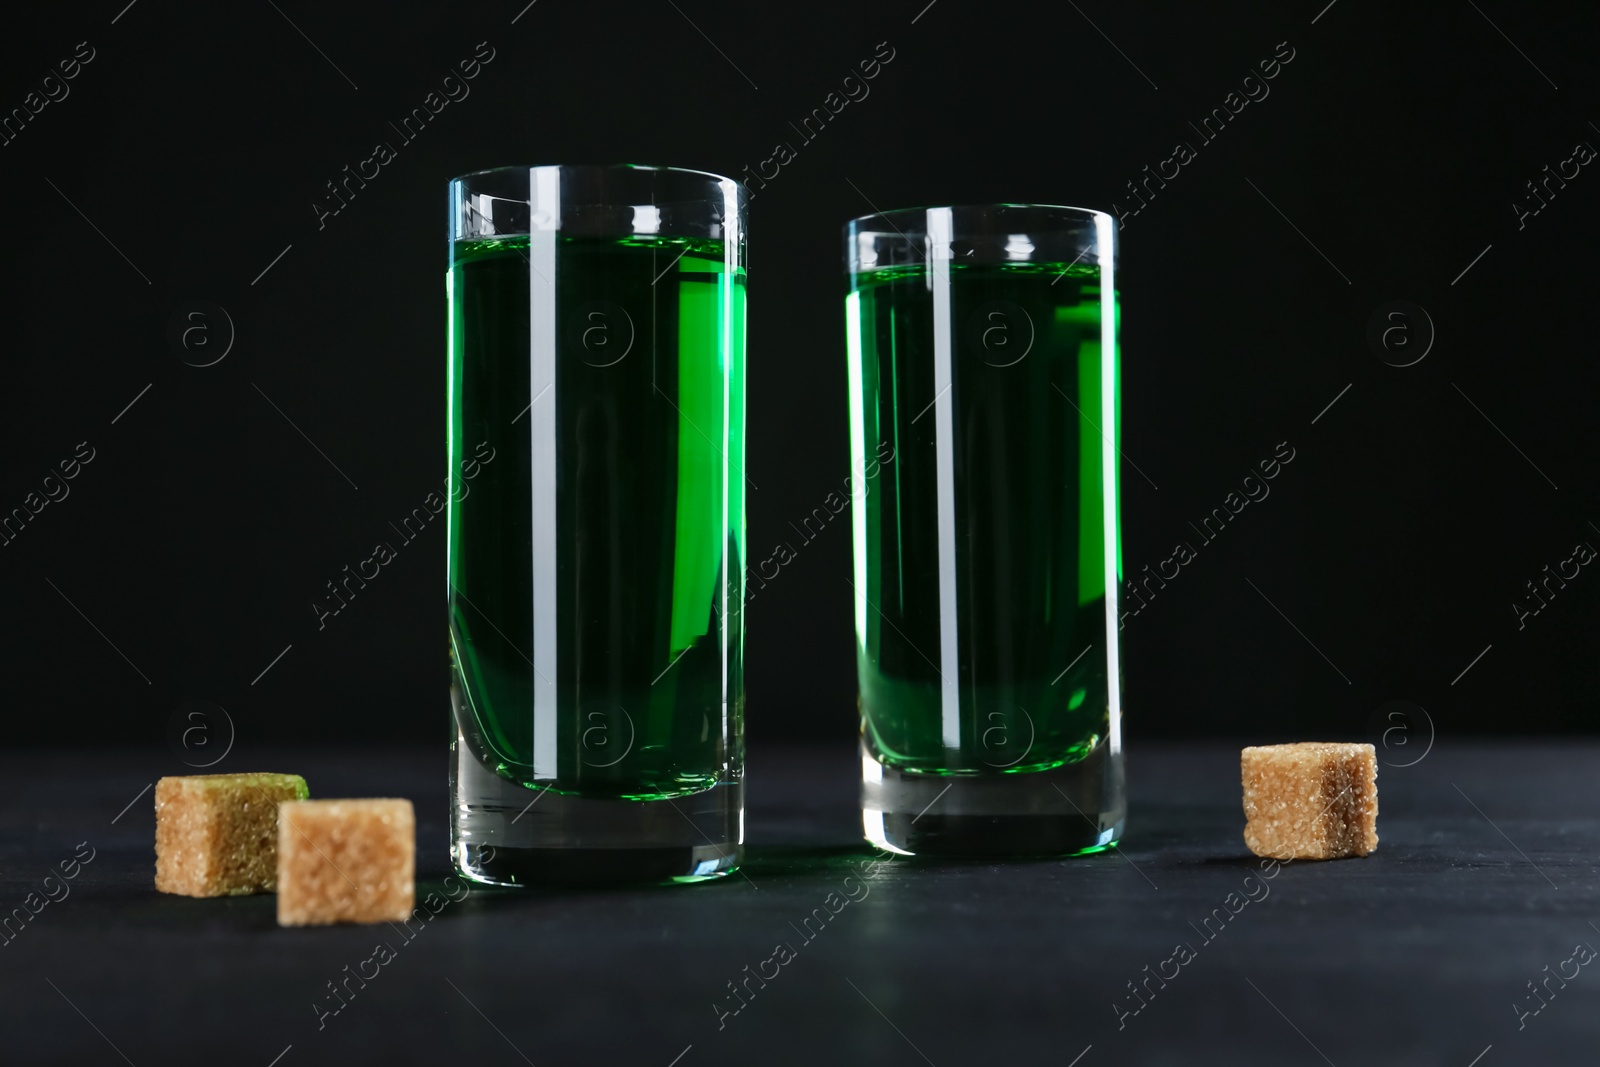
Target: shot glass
982,349
596,523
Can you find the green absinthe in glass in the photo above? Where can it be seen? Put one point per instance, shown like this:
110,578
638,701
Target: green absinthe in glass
1025,396
648,400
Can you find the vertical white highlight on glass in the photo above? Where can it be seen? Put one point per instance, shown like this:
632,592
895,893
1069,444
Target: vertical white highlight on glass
939,229
544,224
449,436
1105,251
729,329
858,461
646,219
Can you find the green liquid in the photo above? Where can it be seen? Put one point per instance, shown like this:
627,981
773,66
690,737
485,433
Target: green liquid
1029,507
649,408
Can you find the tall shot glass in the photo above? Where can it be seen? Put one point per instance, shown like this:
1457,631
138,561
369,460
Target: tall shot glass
984,419
597,523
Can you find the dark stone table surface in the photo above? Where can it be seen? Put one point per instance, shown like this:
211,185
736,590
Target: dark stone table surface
1485,882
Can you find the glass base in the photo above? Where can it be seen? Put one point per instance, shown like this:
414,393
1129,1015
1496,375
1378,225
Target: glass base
503,833
593,866
1066,811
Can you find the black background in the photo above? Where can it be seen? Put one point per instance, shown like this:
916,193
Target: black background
190,150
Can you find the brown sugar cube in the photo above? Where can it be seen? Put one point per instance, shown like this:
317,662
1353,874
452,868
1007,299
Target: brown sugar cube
350,861
217,834
1310,801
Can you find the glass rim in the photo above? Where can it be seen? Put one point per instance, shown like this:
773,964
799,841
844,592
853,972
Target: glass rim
690,172
1085,214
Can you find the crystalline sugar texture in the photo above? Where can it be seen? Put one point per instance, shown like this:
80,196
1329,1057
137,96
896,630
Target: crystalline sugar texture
217,834
346,861
1313,800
